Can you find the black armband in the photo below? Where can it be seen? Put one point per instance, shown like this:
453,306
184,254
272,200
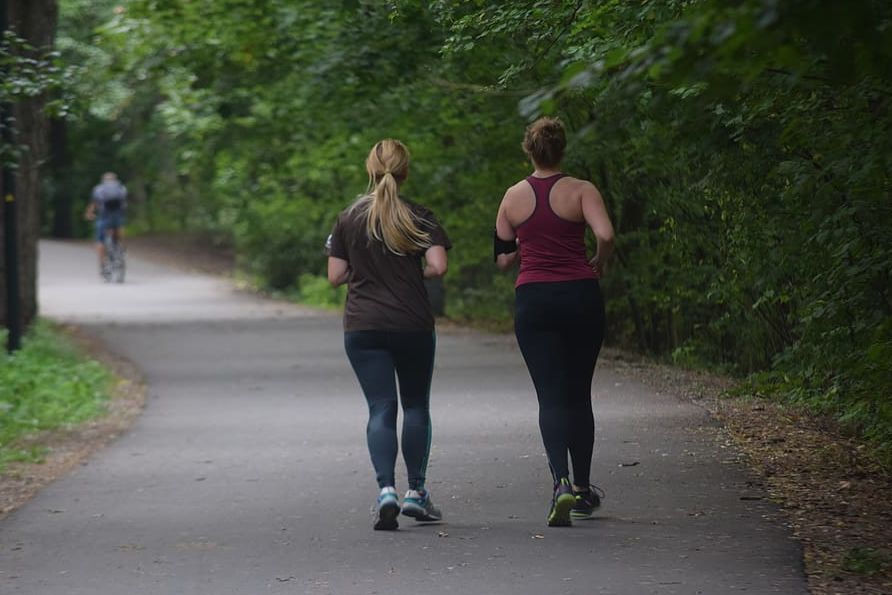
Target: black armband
500,246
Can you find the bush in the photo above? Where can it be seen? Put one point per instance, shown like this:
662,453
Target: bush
280,239
315,290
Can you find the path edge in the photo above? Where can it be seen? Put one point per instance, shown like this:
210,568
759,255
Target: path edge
72,445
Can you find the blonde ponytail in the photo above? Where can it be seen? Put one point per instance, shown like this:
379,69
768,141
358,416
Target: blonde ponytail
389,219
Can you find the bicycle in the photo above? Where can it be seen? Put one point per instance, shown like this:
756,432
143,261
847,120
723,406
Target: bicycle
114,265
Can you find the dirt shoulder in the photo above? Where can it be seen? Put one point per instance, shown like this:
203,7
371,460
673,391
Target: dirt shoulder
202,253
70,446
834,494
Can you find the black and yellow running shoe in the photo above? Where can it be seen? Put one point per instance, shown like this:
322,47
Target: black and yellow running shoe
561,504
587,501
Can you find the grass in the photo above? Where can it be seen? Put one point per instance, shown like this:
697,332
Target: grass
45,385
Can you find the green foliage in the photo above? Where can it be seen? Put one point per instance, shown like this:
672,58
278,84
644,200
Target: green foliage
491,304
44,385
317,291
282,239
743,150
28,72
867,561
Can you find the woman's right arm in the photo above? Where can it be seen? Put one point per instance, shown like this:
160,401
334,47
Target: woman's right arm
338,271
505,233
595,213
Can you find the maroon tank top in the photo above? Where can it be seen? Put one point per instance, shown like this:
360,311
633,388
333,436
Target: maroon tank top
551,248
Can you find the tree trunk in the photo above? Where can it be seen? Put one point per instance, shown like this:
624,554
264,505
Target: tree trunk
34,21
60,166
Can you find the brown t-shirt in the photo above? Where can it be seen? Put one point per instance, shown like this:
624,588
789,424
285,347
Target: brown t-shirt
385,291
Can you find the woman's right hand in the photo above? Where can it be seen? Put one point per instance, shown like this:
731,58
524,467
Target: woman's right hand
597,266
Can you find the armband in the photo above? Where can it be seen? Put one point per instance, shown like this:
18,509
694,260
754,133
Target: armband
500,246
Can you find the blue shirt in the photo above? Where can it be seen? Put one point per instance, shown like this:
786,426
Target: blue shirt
110,196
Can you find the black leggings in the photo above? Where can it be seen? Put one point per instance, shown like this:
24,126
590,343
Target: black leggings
560,328
376,356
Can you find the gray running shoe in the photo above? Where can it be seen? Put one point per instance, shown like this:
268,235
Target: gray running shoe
387,508
417,504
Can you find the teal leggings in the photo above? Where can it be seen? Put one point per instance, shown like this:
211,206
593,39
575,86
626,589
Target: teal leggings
379,358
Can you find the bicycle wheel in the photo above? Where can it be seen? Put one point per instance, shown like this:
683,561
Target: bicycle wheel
113,267
119,267
107,266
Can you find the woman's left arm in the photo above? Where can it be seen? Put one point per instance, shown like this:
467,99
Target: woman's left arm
435,262
338,271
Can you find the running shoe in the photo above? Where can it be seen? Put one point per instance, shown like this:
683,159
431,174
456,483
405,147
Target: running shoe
561,503
386,510
586,502
417,504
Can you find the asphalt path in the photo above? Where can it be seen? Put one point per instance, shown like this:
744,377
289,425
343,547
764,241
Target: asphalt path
248,471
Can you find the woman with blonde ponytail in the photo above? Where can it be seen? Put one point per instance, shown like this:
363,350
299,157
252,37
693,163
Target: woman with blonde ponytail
383,247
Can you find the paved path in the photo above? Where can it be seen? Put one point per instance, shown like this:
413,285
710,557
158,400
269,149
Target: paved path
248,474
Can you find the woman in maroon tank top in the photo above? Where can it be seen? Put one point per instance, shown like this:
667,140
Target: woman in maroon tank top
559,312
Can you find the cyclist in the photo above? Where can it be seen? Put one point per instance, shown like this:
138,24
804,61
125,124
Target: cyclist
559,312
107,208
383,247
